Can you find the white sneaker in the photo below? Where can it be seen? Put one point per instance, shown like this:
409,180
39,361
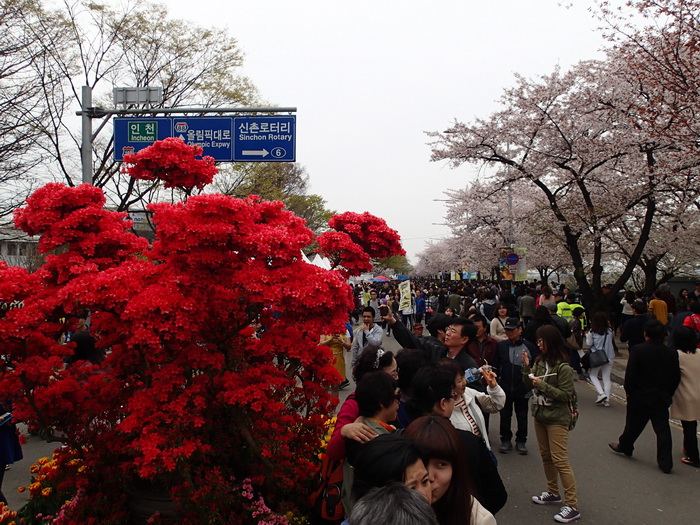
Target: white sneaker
600,399
606,403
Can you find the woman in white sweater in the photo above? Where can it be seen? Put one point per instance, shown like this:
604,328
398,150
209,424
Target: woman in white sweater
470,405
600,339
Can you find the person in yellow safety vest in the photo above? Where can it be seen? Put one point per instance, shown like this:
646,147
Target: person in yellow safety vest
565,309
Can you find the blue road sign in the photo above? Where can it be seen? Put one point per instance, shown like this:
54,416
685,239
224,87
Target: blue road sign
264,138
239,139
212,134
134,134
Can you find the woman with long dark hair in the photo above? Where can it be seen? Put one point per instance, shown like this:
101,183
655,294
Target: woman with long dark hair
498,323
448,472
627,301
683,301
434,395
546,297
600,339
552,381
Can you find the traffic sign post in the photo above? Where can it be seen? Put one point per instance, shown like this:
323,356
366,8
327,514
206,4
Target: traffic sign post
226,139
512,259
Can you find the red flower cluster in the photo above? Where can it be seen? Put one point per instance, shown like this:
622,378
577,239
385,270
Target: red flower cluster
173,162
213,367
358,238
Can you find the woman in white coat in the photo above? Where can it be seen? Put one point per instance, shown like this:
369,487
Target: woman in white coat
470,405
686,400
600,339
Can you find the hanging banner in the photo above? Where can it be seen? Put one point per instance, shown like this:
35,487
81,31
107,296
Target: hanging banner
504,260
521,265
405,289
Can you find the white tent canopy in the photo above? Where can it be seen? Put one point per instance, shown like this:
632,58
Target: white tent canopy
321,262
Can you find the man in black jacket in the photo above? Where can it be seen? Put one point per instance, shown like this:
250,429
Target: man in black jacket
508,364
450,337
652,376
633,329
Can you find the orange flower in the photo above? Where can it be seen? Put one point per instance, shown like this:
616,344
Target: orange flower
46,492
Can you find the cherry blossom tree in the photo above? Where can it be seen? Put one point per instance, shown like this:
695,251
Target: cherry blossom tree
656,47
555,135
484,221
610,147
656,53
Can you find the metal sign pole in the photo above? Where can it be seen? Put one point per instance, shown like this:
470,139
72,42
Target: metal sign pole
86,146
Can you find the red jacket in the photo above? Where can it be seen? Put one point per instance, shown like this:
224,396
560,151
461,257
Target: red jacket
482,352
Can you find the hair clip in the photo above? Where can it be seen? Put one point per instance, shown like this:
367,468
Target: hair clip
380,353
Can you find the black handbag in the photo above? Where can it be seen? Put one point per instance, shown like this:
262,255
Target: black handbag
598,358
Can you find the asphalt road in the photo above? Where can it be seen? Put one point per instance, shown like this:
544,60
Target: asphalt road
613,489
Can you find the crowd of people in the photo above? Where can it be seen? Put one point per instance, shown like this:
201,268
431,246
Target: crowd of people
420,418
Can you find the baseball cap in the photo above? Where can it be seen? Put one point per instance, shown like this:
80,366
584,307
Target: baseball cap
511,323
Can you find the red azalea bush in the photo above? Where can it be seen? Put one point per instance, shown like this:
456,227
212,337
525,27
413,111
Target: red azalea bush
358,238
172,162
213,372
369,232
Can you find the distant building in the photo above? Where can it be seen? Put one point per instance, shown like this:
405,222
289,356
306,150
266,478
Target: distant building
143,226
19,249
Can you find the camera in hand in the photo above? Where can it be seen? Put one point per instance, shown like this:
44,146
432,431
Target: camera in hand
384,310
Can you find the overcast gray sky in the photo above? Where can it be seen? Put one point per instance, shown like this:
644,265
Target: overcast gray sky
369,77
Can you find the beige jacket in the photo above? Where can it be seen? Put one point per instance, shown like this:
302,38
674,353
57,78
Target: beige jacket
686,400
481,516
